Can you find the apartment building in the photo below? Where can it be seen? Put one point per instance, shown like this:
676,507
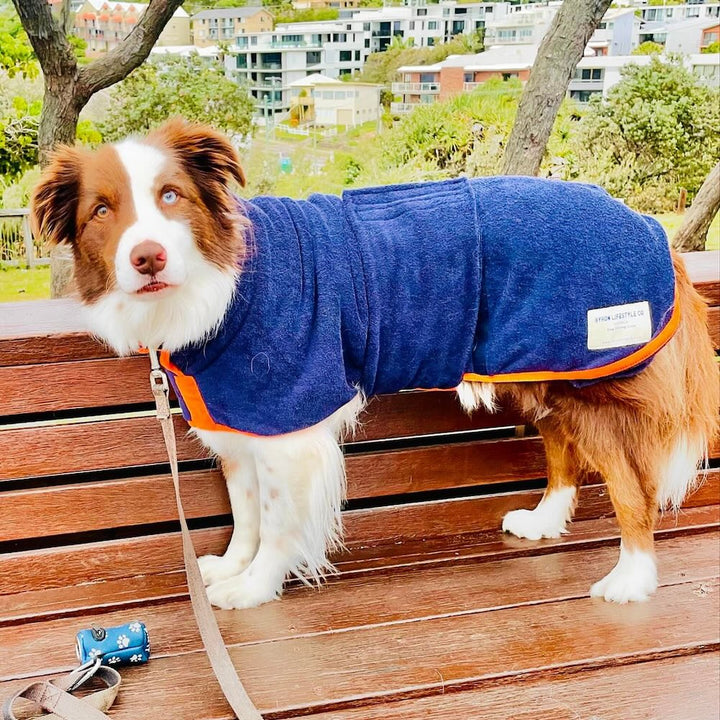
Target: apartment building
522,25
678,13
104,24
210,27
269,62
617,34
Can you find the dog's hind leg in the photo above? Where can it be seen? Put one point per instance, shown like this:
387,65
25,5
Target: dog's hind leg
550,518
633,495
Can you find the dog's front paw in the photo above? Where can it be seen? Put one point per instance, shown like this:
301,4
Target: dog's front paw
215,568
533,524
243,591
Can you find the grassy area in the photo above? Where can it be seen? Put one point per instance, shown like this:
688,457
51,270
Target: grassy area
22,284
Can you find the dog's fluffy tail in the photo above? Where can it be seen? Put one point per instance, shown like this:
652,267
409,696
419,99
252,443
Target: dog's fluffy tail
695,375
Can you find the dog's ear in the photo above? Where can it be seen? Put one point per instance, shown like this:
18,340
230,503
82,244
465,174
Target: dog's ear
53,204
207,154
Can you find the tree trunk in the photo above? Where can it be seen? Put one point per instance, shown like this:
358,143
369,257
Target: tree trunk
693,232
559,53
68,88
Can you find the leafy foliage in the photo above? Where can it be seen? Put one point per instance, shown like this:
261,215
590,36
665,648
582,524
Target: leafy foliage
648,48
381,67
713,47
16,54
655,132
289,15
171,86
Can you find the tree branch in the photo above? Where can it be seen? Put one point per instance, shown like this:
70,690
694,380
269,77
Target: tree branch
46,37
692,234
130,53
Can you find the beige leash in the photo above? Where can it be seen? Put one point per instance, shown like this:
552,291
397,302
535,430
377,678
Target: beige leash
54,697
222,665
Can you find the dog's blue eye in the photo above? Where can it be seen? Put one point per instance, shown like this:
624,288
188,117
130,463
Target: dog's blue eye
169,197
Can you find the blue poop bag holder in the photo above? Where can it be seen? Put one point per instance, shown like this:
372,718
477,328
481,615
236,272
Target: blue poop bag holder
123,645
100,651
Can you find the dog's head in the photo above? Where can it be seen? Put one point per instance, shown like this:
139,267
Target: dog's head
155,230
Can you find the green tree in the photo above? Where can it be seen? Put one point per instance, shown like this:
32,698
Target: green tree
382,67
171,86
16,54
655,132
648,48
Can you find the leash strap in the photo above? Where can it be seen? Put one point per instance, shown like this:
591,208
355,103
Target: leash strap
220,661
53,697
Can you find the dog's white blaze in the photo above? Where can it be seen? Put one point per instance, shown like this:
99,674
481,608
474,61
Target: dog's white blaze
474,394
142,164
633,579
548,520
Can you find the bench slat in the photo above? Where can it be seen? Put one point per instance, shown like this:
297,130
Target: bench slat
353,602
37,331
149,568
682,688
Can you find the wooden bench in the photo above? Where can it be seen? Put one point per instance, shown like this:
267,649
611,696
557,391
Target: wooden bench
434,613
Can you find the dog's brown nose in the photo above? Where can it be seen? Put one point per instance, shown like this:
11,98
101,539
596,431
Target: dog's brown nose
148,257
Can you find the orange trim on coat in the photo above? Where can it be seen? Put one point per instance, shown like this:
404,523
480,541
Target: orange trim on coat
626,363
187,386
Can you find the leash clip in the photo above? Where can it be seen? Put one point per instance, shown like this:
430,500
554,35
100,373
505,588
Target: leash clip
84,672
159,386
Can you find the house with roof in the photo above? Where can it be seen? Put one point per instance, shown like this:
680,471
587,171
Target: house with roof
422,84
222,25
616,34
684,36
104,24
327,101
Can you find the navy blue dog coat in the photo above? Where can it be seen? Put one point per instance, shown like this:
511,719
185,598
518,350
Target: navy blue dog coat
501,279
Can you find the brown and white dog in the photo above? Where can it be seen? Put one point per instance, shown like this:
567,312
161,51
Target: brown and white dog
158,245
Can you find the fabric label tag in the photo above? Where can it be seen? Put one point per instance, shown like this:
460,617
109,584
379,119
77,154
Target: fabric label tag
619,326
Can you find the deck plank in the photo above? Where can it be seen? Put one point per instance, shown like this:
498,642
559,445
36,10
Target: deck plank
339,669
683,688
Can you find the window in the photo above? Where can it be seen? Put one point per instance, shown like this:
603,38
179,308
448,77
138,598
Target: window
693,12
412,25
357,55
669,12
367,43
292,38
428,77
366,27
421,12
345,55
430,42
506,76
467,77
432,25
597,74
602,26
313,57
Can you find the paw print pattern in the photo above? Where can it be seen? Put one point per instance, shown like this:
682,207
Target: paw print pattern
135,658
123,641
94,653
114,660
135,627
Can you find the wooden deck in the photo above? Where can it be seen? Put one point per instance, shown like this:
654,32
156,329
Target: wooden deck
434,614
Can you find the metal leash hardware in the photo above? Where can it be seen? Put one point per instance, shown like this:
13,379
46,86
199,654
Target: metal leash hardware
219,657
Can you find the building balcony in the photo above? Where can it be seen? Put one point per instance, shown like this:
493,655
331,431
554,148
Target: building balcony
416,88
469,87
295,44
400,108
585,85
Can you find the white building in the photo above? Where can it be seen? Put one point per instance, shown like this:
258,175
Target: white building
617,33
269,62
678,13
524,25
327,101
